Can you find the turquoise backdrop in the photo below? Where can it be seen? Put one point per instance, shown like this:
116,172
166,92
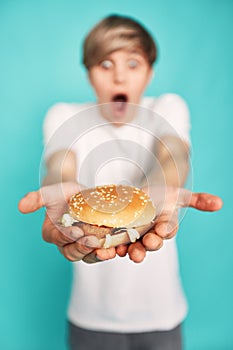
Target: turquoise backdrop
40,65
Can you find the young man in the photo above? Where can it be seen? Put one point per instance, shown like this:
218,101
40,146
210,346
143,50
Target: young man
121,138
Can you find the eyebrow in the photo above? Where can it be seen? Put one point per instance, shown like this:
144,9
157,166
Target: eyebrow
130,51
136,52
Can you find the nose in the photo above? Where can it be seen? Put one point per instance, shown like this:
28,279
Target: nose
119,74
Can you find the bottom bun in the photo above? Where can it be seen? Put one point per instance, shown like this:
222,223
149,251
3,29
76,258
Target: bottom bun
125,237
108,236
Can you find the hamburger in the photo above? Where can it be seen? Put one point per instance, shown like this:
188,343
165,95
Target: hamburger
115,214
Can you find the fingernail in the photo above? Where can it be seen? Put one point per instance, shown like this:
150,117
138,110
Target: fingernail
164,229
76,233
169,229
92,242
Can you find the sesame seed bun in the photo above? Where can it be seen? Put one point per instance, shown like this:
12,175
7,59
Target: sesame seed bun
119,213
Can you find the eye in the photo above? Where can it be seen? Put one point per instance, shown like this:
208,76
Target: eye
132,63
106,64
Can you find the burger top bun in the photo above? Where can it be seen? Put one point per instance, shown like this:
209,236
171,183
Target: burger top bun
112,206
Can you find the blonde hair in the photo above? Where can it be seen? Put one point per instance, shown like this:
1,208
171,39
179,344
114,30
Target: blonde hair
117,32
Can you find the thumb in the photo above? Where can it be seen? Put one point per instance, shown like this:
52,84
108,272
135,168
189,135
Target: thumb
31,202
202,201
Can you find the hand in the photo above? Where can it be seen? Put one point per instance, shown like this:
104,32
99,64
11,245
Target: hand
70,240
167,202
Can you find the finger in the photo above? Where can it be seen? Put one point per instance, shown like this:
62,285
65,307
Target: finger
100,254
137,252
37,199
167,225
59,192
166,230
200,201
31,202
106,253
152,242
60,235
122,250
75,251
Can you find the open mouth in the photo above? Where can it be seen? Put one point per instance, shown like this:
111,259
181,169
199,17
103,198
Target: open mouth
119,102
120,98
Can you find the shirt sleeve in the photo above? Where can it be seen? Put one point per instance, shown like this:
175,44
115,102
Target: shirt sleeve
56,128
174,116
54,118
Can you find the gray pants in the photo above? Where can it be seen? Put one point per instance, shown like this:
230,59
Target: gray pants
83,339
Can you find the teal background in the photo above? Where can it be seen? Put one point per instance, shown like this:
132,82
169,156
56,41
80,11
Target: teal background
40,65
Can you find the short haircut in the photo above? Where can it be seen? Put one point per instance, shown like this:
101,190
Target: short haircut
117,32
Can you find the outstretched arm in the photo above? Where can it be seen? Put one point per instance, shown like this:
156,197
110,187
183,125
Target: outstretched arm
164,186
60,184
75,246
71,240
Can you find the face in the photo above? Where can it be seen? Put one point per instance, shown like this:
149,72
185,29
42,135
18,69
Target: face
120,78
